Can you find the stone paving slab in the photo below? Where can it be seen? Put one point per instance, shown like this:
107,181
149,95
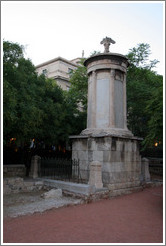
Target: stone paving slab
32,202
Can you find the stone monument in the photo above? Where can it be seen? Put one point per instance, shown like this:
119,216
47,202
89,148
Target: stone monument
107,140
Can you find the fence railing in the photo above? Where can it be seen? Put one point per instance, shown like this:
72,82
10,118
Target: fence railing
61,169
156,169
156,166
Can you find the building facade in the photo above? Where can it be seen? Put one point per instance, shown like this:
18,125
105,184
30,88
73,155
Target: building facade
59,69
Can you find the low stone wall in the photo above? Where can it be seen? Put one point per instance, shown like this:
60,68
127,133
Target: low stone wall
84,189
17,184
77,190
18,170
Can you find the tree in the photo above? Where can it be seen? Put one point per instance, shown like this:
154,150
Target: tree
33,106
79,85
21,113
59,118
154,110
144,96
139,56
76,97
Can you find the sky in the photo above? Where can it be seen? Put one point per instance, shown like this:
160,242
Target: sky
48,29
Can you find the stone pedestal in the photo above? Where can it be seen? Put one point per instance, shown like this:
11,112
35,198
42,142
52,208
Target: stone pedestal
118,156
35,167
145,175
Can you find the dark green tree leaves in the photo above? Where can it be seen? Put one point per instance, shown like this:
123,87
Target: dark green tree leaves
33,106
144,96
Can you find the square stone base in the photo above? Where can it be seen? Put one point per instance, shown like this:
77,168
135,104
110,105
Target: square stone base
119,157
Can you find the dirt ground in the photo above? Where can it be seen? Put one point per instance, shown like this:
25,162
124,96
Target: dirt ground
132,218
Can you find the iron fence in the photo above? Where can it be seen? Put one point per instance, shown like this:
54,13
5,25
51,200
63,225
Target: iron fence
156,169
60,169
156,166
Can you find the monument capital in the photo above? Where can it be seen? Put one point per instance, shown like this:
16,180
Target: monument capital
106,42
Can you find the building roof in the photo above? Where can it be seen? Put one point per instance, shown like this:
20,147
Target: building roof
76,60
56,59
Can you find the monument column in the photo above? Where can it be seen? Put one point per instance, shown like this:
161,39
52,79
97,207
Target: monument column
124,102
107,151
112,113
93,114
107,93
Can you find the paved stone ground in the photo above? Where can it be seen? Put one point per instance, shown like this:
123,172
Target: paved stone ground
31,202
132,218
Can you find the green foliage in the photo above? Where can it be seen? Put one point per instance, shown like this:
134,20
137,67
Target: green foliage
154,110
139,56
21,113
79,85
76,114
11,53
77,98
144,97
33,106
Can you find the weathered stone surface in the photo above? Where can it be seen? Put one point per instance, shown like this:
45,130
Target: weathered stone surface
17,170
16,185
82,155
80,188
123,185
104,144
145,175
32,202
116,163
107,157
75,155
53,193
92,145
95,178
120,145
80,144
35,167
116,156
84,175
101,132
39,183
6,189
97,156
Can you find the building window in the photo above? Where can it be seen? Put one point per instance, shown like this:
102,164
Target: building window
44,71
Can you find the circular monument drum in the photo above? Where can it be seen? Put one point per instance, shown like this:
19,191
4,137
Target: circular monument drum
107,93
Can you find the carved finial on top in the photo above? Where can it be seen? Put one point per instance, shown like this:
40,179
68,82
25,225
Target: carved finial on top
107,41
83,54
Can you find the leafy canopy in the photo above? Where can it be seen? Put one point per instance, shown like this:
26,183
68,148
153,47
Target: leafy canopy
144,96
33,106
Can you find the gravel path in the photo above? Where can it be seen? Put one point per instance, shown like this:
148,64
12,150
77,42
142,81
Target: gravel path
133,218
